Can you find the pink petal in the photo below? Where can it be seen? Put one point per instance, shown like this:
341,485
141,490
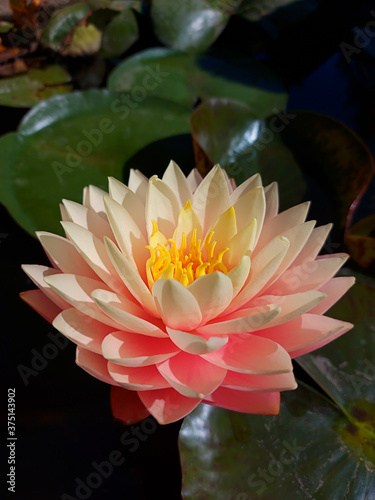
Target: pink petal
277,226
126,406
259,403
194,343
244,320
335,288
94,364
304,331
144,378
307,276
322,343
292,305
41,304
81,329
260,383
167,405
133,350
313,245
191,375
247,353
178,307
37,274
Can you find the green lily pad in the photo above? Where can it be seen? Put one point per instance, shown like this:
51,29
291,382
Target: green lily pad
71,141
28,89
230,134
304,452
192,25
185,78
333,157
61,24
120,34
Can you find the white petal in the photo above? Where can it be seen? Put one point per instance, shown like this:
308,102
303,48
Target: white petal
187,222
76,290
225,228
88,219
94,200
128,235
211,197
177,306
243,242
271,192
127,314
176,180
213,292
162,207
278,225
81,329
245,187
37,274
194,343
94,253
138,184
251,205
239,274
194,179
63,255
263,268
131,278
130,201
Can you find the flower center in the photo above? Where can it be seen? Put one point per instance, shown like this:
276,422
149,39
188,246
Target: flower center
183,264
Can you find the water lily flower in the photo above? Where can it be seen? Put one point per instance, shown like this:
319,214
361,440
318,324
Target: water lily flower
183,290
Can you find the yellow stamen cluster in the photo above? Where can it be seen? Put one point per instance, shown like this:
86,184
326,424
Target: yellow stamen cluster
182,264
